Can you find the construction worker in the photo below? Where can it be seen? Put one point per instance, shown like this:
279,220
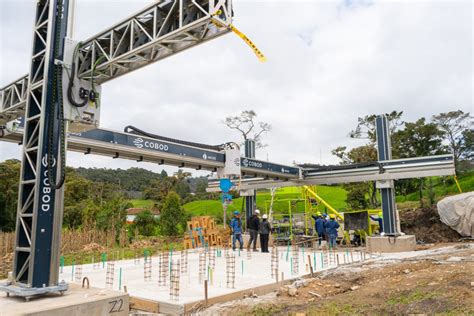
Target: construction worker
264,229
319,226
236,227
357,239
332,225
378,219
252,227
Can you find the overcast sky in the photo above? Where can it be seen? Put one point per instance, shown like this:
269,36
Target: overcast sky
329,62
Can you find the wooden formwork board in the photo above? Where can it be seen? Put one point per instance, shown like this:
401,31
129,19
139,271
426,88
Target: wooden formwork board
153,306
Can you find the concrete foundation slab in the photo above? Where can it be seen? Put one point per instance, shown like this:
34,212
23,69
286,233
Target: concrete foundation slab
252,275
391,244
75,301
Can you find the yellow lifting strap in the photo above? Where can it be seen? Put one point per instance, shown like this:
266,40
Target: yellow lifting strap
244,37
247,40
457,183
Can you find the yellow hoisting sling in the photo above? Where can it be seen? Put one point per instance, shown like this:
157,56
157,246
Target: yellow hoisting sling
244,37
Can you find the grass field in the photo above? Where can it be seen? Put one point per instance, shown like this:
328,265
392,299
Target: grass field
142,203
443,186
334,195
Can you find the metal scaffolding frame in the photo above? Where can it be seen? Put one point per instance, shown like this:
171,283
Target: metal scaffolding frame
162,29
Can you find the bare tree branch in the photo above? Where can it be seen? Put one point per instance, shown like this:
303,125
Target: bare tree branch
246,125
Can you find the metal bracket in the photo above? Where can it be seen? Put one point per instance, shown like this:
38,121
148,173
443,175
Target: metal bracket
29,292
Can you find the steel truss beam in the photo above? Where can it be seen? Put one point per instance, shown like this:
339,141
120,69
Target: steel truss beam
13,99
442,165
160,30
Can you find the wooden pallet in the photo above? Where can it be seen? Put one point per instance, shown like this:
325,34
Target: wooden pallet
202,231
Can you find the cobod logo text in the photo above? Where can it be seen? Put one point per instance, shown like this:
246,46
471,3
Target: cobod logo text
46,191
250,163
140,143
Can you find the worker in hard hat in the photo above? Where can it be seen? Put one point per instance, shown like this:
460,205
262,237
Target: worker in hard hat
319,226
236,227
332,225
379,220
253,223
264,230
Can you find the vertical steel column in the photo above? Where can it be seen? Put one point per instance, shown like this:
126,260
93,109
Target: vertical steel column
384,150
250,201
39,220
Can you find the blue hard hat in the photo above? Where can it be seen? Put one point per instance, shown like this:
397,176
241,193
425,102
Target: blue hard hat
236,213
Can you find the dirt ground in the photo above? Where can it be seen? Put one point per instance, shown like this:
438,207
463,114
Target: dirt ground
425,224
438,283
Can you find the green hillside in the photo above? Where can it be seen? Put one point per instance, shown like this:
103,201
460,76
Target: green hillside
334,195
443,186
142,203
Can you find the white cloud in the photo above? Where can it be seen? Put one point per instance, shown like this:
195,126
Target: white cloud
328,63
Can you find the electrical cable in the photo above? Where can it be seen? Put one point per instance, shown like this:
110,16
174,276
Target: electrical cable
57,97
96,94
70,87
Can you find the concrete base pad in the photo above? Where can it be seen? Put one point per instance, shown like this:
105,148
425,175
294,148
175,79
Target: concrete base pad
391,244
75,301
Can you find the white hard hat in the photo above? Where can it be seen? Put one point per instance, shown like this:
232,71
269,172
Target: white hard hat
264,216
257,212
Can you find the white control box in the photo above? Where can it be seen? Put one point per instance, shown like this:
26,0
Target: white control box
81,118
231,165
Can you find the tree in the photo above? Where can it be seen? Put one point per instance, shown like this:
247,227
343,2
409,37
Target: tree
454,124
9,177
360,195
356,196
365,128
146,223
172,216
467,144
182,184
201,186
419,139
245,124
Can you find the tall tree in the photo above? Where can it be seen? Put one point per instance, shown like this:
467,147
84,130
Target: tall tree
172,216
420,139
146,223
360,195
246,125
467,144
454,124
365,128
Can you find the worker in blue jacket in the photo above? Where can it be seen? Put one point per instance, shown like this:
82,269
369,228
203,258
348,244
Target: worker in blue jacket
236,227
319,225
378,219
331,227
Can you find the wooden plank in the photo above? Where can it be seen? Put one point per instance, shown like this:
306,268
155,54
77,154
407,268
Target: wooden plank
151,306
144,304
259,290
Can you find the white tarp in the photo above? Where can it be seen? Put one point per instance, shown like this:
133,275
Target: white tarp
457,212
